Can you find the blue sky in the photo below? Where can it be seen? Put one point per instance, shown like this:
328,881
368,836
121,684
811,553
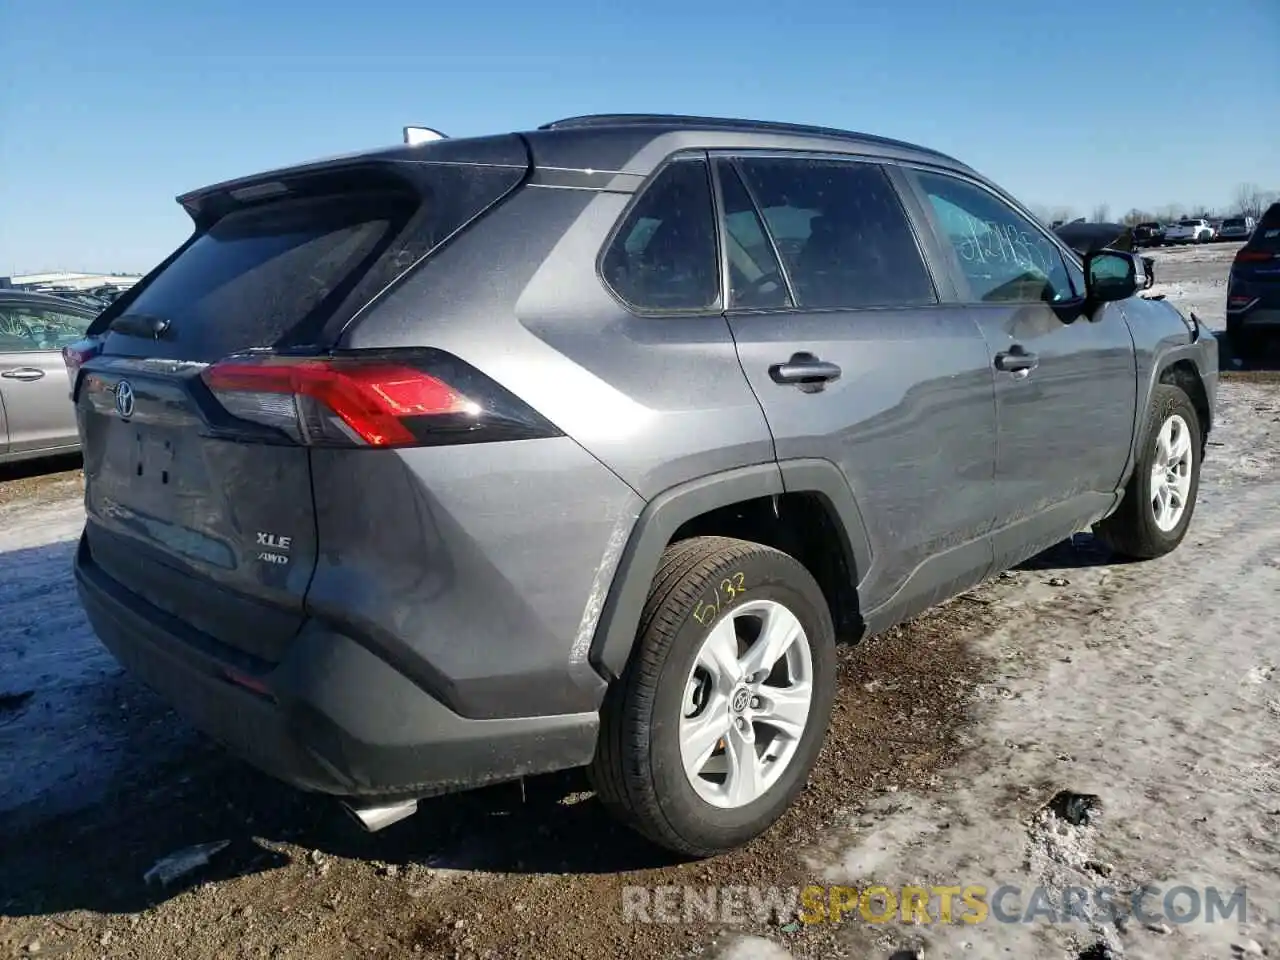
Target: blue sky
108,110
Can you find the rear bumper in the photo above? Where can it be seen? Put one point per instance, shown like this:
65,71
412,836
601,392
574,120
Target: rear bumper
335,718
1257,318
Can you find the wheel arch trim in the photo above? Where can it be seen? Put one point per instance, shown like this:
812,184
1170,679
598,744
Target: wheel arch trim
1189,354
660,519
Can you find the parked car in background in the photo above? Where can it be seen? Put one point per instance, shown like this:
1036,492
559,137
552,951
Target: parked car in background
1086,238
107,294
1237,228
459,462
1253,288
1193,230
1149,234
37,417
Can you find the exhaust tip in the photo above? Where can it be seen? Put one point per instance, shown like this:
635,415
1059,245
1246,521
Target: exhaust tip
374,818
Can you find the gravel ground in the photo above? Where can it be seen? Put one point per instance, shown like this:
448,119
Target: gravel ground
1154,688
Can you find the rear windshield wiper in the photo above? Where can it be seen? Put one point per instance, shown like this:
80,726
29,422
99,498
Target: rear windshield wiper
140,325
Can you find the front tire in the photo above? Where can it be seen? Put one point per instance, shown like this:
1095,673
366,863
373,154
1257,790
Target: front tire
719,718
1160,498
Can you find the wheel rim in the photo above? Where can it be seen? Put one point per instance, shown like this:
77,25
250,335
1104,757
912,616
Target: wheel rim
1171,473
746,703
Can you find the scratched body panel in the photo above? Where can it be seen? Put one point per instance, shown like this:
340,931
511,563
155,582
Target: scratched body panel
910,423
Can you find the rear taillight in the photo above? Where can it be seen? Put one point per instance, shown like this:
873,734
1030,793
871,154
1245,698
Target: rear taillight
1253,256
76,355
393,399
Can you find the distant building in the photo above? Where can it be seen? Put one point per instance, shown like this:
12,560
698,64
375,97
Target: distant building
66,280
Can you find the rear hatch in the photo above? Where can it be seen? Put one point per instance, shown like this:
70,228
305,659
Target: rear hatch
201,392
1256,270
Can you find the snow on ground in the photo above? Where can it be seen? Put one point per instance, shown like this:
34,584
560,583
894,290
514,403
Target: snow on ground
1155,688
1195,278
60,748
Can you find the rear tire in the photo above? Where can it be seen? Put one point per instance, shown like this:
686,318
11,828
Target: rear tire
1146,525
661,765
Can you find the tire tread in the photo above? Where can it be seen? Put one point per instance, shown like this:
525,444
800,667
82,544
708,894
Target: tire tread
618,772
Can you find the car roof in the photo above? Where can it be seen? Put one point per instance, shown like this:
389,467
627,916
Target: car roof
43,300
632,145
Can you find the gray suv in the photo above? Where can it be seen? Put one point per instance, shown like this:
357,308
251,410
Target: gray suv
455,463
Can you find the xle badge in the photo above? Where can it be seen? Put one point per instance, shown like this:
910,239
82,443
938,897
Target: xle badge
276,548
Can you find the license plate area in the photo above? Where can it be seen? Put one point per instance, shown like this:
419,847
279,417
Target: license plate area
160,462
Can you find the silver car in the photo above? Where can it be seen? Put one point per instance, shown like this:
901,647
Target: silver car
1237,228
37,418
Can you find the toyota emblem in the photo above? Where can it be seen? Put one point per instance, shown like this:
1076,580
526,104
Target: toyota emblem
124,399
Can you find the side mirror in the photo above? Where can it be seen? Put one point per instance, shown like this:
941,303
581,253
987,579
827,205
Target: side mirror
1112,275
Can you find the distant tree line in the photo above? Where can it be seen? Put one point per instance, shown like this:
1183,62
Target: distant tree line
1249,200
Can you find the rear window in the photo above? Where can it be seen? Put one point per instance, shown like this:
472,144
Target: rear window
1188,223
258,274
1233,222
288,272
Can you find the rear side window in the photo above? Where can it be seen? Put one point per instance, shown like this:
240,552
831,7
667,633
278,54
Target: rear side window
755,279
664,255
841,231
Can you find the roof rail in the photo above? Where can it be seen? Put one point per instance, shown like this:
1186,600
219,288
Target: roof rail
727,123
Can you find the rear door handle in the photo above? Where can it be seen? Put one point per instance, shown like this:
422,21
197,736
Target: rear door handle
1016,359
23,373
804,369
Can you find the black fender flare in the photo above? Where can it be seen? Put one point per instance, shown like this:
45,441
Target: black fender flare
615,632
1195,353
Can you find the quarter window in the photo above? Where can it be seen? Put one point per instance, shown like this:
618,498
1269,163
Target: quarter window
1004,257
841,232
664,256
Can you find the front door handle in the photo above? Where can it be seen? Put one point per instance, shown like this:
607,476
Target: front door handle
23,373
806,370
1017,359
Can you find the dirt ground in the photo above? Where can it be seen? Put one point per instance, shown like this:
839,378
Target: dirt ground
1152,690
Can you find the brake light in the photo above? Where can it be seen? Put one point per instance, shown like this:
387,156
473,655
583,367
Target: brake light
1253,256
393,399
76,355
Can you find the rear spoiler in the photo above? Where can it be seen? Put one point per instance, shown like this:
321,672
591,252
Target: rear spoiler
208,204
398,167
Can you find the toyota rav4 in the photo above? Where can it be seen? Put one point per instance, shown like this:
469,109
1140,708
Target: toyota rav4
472,459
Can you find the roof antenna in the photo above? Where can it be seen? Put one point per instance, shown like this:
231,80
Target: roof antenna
416,135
